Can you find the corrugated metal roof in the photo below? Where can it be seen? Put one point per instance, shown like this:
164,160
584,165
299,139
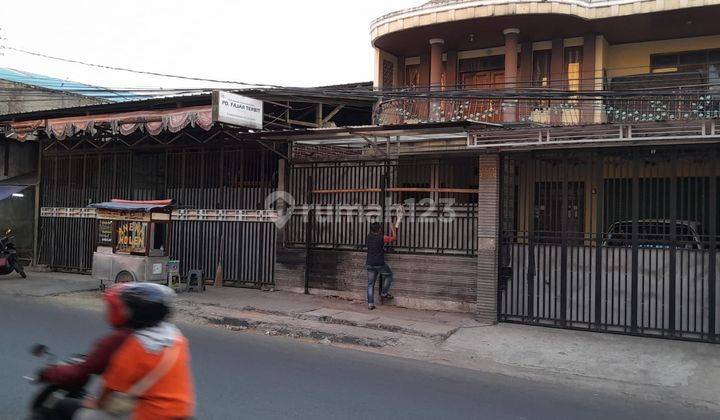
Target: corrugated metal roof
68,86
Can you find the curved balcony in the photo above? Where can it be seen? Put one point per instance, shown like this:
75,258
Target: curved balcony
549,111
469,24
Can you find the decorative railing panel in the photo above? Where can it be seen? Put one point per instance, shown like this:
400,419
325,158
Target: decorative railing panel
547,110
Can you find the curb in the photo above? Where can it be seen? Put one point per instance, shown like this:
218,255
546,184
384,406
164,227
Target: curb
373,324
296,331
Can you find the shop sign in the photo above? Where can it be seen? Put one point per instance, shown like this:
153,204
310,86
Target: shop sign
230,108
131,237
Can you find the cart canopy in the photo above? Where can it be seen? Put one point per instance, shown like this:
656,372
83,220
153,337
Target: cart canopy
129,205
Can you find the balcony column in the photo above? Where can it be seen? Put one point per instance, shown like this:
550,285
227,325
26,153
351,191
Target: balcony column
557,79
436,50
587,80
511,65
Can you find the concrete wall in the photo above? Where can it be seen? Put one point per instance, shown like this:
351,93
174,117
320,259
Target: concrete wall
634,58
15,212
35,99
421,281
18,215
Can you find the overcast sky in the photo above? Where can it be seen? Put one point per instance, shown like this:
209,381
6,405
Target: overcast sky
284,42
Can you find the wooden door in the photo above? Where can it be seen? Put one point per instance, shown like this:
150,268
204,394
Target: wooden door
484,109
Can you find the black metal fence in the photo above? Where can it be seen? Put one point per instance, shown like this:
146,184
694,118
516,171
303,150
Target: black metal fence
245,249
624,242
67,243
217,178
439,198
224,178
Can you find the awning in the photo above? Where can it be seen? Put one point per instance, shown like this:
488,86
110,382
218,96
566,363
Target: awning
126,123
127,205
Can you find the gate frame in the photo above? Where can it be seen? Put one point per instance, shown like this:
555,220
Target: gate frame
595,323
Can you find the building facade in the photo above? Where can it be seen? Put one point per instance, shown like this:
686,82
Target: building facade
556,162
574,46
218,175
575,145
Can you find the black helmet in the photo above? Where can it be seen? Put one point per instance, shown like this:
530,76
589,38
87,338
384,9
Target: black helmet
147,304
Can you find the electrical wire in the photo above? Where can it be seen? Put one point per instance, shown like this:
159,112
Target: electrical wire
341,88
679,83
150,73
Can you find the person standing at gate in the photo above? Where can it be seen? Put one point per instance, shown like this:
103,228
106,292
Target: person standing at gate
375,262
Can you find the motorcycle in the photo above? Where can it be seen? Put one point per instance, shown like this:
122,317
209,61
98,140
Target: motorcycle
44,402
8,256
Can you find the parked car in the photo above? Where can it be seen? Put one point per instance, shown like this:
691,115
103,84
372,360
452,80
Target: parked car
655,233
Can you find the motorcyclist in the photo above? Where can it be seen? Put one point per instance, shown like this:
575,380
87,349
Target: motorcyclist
73,377
154,358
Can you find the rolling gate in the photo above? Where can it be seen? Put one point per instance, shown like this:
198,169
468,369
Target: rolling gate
220,194
588,241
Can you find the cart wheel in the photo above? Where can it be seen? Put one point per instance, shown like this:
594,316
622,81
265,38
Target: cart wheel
124,277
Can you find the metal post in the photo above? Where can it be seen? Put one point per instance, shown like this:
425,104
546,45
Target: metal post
383,199
635,242
281,205
563,241
36,226
712,231
308,231
502,196
599,228
530,182
673,244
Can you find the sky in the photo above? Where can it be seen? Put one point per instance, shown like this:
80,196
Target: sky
281,42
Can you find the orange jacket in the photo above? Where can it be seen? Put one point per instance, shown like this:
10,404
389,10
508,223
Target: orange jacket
171,397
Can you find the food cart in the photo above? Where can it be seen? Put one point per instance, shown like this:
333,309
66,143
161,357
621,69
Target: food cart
132,241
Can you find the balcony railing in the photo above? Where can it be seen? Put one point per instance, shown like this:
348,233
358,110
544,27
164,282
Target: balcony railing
550,111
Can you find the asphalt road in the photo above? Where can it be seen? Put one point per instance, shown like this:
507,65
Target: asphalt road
248,376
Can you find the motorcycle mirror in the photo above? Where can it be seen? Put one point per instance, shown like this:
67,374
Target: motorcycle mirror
39,350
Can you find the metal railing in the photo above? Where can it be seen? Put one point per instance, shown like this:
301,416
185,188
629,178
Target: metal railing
549,112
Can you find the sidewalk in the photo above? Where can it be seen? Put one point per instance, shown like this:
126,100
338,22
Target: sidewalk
655,369
328,310
684,372
44,283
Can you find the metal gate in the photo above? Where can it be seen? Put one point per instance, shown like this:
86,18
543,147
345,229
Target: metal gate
623,241
439,197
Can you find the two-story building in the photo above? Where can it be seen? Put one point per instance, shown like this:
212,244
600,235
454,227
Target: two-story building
557,164
575,143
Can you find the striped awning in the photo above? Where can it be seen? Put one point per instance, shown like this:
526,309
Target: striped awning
126,123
